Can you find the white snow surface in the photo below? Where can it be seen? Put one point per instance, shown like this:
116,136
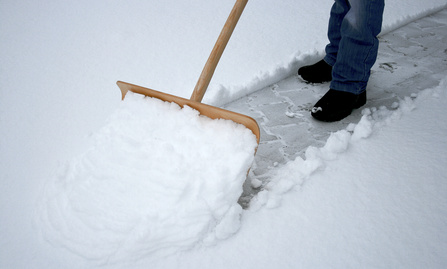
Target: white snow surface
375,196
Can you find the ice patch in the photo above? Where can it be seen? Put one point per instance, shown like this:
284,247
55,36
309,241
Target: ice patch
158,179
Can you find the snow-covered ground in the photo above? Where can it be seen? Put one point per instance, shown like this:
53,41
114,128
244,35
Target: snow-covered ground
368,193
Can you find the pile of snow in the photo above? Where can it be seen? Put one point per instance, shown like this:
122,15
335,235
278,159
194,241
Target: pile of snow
158,178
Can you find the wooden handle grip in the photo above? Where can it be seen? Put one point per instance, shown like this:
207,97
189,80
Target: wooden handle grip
216,53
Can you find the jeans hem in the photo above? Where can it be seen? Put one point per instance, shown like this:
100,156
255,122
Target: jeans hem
354,88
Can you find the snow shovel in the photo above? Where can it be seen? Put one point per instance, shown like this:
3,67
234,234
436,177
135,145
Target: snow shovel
204,80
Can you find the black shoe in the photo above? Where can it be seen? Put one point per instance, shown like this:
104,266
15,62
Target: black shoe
316,73
337,105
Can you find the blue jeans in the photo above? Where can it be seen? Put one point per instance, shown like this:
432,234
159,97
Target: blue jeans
352,51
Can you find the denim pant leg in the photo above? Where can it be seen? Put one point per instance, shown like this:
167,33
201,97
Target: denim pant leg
357,43
338,12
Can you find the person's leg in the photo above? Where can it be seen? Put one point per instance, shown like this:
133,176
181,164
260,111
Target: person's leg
356,54
322,70
357,46
338,12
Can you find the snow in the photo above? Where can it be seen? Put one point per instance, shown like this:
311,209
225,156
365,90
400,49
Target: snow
149,183
374,196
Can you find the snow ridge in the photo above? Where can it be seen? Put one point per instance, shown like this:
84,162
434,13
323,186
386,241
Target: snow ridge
294,174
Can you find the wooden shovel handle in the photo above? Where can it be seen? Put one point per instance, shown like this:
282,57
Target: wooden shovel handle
216,53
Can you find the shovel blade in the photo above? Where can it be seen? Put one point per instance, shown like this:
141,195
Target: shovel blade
204,109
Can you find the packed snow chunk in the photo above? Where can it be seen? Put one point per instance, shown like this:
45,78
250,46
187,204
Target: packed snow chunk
158,179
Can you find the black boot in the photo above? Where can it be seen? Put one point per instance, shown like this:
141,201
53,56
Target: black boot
316,73
337,105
